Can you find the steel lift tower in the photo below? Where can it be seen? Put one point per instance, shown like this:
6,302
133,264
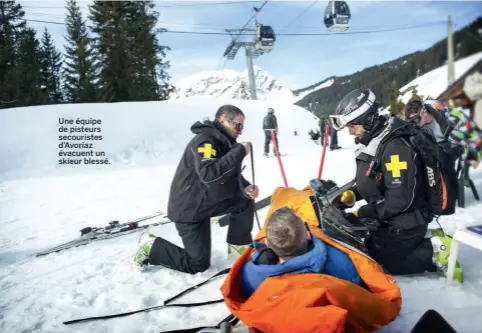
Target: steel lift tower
263,42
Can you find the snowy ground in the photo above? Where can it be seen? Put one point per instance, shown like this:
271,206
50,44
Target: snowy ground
42,205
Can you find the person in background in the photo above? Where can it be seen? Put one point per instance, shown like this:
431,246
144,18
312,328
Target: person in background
323,122
207,183
462,127
270,123
333,138
433,117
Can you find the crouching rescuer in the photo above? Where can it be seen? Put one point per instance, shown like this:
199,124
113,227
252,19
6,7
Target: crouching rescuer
207,183
394,176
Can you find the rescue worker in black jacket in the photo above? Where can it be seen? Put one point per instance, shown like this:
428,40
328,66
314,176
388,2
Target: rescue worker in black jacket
393,189
207,183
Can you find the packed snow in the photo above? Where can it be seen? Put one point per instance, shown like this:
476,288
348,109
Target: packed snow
433,83
304,93
228,83
43,204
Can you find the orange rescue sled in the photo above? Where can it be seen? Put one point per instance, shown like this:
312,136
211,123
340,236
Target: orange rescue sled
312,303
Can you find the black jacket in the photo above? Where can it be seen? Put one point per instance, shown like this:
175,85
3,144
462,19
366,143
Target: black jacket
270,122
394,191
208,173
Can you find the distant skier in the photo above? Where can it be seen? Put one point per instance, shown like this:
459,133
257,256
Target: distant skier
315,136
333,138
323,122
270,123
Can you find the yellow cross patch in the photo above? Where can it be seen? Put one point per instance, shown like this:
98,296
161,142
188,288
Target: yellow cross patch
395,166
207,150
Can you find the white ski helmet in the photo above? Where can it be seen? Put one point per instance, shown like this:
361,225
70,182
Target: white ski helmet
359,107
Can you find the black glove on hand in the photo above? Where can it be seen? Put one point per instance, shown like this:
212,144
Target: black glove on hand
371,224
353,219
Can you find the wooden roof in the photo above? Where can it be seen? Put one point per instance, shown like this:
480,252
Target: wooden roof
455,88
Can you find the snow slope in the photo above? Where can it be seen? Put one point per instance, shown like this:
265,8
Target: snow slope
433,83
158,137
43,204
324,84
232,84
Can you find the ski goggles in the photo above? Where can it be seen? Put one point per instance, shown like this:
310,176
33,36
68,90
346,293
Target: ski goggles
340,121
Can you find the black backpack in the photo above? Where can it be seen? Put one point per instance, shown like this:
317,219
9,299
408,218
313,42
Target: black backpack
440,176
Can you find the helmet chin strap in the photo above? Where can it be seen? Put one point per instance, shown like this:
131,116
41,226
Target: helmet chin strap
372,125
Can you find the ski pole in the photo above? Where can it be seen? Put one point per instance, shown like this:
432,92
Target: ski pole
279,158
323,152
252,172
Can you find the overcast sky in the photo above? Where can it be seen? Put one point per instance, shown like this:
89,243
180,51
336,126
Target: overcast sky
297,61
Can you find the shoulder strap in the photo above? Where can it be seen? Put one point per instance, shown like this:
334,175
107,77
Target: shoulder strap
165,305
381,147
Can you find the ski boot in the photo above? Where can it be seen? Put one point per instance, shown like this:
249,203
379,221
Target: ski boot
141,258
235,251
436,233
441,253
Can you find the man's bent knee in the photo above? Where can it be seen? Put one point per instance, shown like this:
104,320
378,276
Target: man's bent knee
199,266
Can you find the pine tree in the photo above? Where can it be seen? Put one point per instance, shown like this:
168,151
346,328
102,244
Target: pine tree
132,64
51,68
396,106
148,56
28,70
79,84
113,50
11,26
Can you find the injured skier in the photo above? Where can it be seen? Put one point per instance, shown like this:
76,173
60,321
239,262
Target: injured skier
297,279
291,248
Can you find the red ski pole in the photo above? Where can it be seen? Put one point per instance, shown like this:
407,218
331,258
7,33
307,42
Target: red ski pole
327,128
273,139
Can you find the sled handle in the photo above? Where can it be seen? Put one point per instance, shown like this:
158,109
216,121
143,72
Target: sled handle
327,200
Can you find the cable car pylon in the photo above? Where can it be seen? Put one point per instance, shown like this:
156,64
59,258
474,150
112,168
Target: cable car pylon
263,42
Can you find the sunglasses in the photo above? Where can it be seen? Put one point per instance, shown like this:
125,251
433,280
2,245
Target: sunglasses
236,125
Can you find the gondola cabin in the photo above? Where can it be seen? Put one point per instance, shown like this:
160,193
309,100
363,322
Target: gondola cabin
337,16
265,38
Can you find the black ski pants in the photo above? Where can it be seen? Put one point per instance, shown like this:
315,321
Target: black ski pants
195,257
267,140
401,251
333,137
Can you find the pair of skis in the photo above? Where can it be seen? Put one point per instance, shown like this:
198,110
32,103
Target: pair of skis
116,229
113,229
